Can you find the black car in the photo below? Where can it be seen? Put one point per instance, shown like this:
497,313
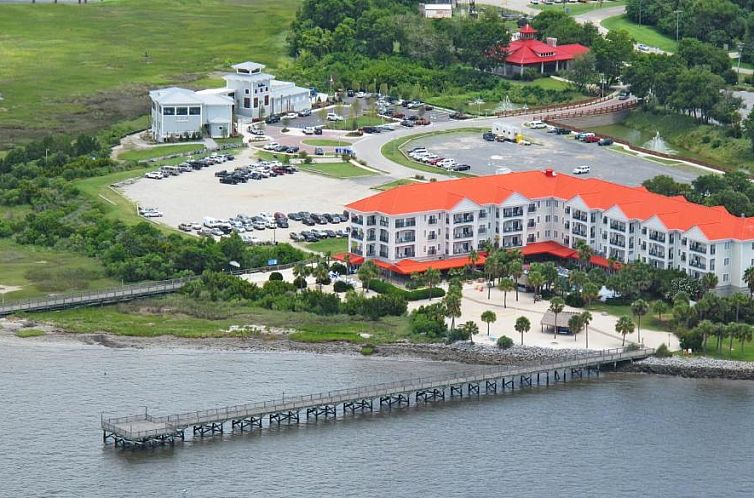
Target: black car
605,141
458,115
294,216
272,118
220,174
281,148
327,216
292,149
562,131
461,167
317,130
488,136
407,123
413,118
282,223
330,233
308,222
350,93
370,129
228,180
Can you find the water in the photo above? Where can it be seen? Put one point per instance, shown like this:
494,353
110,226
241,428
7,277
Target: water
658,144
621,435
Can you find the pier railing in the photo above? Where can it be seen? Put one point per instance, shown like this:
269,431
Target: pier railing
174,422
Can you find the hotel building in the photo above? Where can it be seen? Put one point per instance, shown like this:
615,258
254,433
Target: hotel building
437,224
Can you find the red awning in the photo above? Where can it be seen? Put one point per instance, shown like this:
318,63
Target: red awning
409,266
354,259
552,248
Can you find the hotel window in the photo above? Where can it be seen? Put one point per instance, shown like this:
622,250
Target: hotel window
246,91
727,245
246,103
725,277
256,102
170,111
181,111
266,100
195,111
726,261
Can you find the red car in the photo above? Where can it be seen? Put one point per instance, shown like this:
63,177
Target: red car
592,139
422,121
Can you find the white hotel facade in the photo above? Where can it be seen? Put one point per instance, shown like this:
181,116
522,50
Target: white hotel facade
410,227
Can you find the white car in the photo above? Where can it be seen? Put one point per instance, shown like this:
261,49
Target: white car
270,146
642,48
582,170
291,115
331,116
309,130
537,124
154,175
361,95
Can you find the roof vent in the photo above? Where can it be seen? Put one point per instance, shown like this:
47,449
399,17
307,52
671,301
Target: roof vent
549,172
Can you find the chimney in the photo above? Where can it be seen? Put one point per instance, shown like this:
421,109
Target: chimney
550,173
553,42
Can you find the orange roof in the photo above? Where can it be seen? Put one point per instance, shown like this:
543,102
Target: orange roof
548,248
353,259
409,266
637,203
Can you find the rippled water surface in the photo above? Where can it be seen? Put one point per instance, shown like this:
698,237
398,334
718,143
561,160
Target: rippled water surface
621,435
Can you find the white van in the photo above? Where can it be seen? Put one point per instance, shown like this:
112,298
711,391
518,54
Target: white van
582,170
537,124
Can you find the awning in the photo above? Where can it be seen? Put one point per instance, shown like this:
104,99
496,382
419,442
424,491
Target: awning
561,251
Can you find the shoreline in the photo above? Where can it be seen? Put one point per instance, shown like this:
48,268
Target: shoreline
461,352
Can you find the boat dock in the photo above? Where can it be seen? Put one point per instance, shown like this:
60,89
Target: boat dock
145,429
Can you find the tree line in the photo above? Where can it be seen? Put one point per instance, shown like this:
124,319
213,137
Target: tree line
732,190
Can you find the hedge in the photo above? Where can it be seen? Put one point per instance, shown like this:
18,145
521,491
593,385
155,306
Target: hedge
382,287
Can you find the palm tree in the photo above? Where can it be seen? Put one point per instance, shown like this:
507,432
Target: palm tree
705,328
556,306
347,261
320,273
522,325
745,334
659,307
489,317
585,253
536,280
577,279
452,304
300,270
624,326
431,279
367,272
709,281
492,268
586,319
516,269
734,330
749,279
738,299
589,292
575,324
639,308
681,297
505,285
473,258
455,275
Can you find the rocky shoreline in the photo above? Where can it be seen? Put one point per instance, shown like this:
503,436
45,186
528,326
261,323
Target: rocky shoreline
701,368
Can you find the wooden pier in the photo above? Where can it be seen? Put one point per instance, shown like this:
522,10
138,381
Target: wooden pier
145,430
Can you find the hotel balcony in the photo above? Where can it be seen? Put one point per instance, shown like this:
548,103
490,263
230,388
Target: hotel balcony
697,247
657,236
513,212
463,218
698,263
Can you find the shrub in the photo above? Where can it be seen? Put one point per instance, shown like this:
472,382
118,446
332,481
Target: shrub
428,321
339,268
458,334
368,349
419,294
632,347
299,282
663,352
575,300
504,342
382,287
716,143
341,286
276,275
324,281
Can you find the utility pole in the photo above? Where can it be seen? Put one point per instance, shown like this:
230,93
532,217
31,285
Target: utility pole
677,20
640,12
740,49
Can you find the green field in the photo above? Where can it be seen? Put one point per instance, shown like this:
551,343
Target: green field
332,246
336,170
70,68
325,142
351,124
575,9
161,151
396,183
183,317
647,35
392,151
41,272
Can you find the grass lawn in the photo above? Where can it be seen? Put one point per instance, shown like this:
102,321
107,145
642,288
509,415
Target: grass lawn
237,141
24,333
328,245
160,151
648,321
745,354
40,271
336,170
647,35
184,317
392,151
325,142
352,124
396,183
575,9
100,59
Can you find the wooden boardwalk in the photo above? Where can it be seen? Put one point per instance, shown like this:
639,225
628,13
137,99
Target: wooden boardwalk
148,430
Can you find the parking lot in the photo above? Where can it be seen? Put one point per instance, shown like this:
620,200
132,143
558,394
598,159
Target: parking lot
192,196
560,152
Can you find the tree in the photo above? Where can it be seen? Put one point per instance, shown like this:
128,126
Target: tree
489,317
749,279
624,326
321,274
300,270
581,72
467,329
586,319
745,334
473,258
367,272
516,269
659,307
431,278
537,280
585,252
611,53
452,303
522,325
506,285
705,328
477,38
639,308
589,292
575,324
556,306
492,268
354,112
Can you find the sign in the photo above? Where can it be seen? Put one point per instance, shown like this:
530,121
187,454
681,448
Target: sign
272,262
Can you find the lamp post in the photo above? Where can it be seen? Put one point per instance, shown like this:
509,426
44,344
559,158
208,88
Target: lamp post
740,49
677,21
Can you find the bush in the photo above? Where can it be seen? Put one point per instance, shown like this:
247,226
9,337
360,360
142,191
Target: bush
299,282
504,342
382,287
575,300
419,294
339,268
341,286
276,275
324,281
428,321
632,347
663,352
458,334
368,349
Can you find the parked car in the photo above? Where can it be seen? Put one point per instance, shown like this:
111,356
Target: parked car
562,131
317,130
332,116
582,170
605,141
309,130
407,123
458,115
592,139
295,237
422,122
623,95
305,112
319,151
272,118
271,146
488,136
461,167
537,124
186,227
291,115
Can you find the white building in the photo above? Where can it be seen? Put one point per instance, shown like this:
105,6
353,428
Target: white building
437,10
410,228
247,92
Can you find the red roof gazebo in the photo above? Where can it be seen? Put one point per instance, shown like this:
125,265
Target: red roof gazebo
528,52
